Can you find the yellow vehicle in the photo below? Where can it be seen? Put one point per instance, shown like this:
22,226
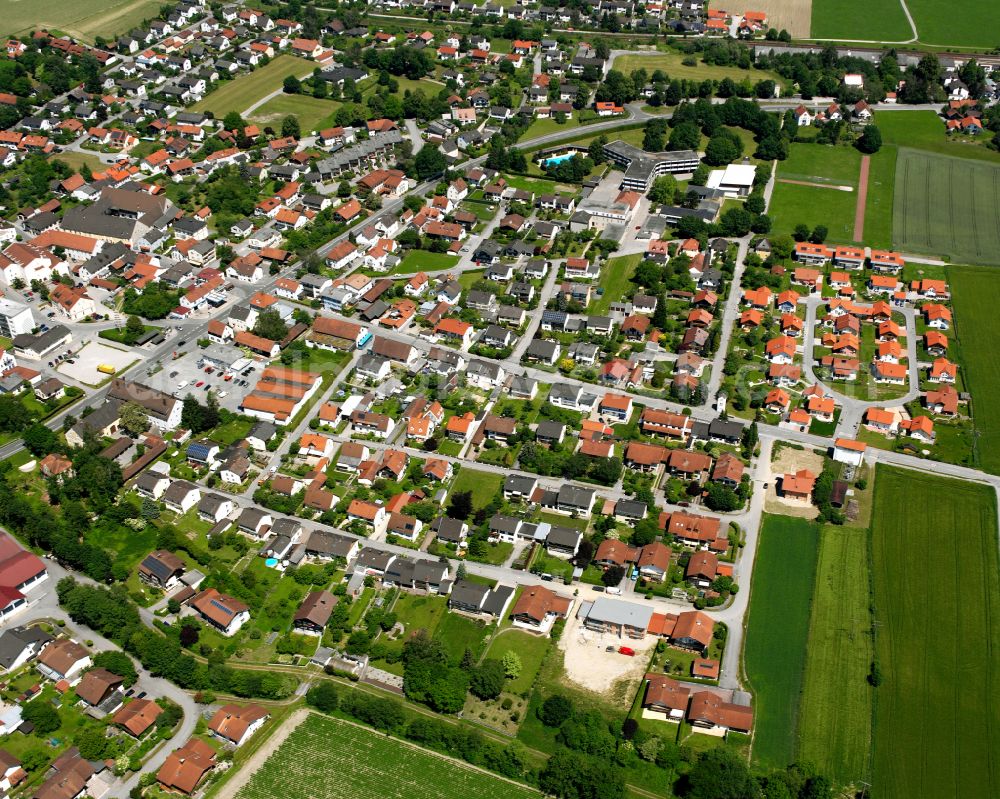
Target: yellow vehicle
106,368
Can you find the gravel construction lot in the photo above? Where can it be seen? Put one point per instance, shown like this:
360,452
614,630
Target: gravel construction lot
92,355
789,461
590,666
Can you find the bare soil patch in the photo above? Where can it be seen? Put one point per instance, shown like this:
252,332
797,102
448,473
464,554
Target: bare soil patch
795,16
789,460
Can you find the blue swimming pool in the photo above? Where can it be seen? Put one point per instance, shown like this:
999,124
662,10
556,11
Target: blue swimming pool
271,562
558,159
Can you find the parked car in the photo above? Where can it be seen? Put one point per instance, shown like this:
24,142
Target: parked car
626,650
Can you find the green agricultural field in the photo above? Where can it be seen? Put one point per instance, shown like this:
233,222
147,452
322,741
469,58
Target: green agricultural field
672,64
937,606
313,114
881,20
947,207
84,20
924,130
836,710
614,280
974,292
240,94
774,654
326,758
958,23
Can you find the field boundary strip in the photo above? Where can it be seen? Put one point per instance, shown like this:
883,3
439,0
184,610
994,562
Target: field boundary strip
859,211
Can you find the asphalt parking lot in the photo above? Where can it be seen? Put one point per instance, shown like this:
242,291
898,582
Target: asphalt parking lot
181,377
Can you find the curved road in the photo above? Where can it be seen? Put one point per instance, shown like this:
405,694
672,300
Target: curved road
852,408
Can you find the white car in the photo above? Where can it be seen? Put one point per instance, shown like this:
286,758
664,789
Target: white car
182,384
220,394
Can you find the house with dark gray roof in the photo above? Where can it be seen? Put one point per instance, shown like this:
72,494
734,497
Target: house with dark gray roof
451,531
325,545
18,645
161,568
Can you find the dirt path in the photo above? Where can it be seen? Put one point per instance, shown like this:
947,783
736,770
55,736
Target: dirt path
258,758
836,186
859,211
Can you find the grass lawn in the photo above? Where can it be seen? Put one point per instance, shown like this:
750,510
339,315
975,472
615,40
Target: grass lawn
239,94
543,127
359,763
537,185
496,553
614,279
313,113
821,163
231,432
945,206
480,209
459,633
549,564
419,612
777,628
483,485
530,648
127,545
973,296
938,612
122,336
629,135
924,130
75,160
469,278
836,710
424,261
672,64
792,204
360,605
842,19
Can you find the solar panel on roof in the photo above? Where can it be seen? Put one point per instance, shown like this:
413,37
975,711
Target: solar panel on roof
217,604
